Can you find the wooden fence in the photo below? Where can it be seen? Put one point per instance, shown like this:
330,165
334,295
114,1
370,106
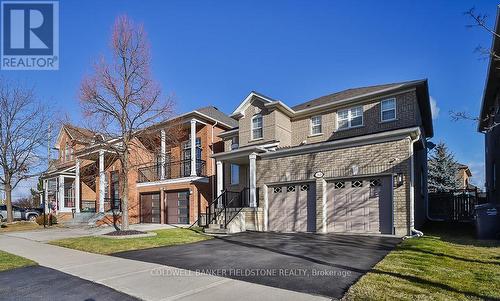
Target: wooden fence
456,205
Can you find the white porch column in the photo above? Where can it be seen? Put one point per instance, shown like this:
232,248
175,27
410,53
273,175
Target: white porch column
163,149
60,194
77,185
220,178
102,181
193,148
253,180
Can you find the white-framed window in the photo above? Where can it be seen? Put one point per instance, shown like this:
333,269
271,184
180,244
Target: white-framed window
349,118
235,174
68,153
316,125
388,109
257,126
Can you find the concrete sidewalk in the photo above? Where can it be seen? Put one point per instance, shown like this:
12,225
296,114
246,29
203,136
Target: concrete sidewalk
147,281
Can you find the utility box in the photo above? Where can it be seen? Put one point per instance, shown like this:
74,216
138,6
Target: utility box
487,221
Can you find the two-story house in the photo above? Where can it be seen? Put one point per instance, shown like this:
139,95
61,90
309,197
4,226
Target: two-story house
352,161
171,179
489,121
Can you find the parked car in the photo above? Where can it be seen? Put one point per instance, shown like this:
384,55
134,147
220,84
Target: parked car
19,213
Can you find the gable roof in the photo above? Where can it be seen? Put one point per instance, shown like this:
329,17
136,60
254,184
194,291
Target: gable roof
75,133
214,113
246,102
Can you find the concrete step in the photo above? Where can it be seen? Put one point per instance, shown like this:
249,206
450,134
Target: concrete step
215,226
212,231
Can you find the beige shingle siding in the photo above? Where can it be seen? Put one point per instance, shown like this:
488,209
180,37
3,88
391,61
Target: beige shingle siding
372,160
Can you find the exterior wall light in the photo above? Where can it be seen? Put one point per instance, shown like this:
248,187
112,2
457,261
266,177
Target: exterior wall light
398,179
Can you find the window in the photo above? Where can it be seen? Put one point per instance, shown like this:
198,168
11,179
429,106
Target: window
235,174
349,118
290,188
356,184
235,142
388,109
257,127
339,184
277,189
68,153
315,125
375,183
304,187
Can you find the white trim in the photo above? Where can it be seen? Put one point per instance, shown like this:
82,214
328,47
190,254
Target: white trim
382,110
266,208
174,181
349,118
311,125
324,217
258,115
246,102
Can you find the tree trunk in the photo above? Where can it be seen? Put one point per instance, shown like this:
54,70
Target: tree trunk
8,195
125,221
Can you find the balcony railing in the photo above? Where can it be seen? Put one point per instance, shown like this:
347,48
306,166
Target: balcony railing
173,170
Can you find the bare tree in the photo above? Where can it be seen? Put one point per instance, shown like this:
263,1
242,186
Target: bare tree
121,98
23,133
480,20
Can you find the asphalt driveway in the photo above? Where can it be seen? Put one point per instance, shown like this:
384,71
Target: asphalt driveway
317,264
41,283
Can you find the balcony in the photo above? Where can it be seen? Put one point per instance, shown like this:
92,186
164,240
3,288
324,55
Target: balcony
173,170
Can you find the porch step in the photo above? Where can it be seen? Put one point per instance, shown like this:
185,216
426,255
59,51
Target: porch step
80,219
215,231
216,226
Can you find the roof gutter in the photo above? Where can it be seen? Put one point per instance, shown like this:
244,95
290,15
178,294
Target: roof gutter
349,142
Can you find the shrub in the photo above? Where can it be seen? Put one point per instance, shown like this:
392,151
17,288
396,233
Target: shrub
39,219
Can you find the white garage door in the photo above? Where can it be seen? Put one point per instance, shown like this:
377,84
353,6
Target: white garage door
292,207
360,205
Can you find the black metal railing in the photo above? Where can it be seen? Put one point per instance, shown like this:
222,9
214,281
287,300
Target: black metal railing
173,170
88,206
225,204
111,204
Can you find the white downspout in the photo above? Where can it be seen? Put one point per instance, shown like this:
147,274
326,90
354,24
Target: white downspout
413,232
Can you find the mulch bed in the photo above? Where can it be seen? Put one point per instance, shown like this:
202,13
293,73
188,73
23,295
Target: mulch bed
125,232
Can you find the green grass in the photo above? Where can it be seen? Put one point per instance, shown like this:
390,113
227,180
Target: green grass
446,264
10,261
104,245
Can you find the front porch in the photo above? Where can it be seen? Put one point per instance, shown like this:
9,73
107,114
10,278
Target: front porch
84,187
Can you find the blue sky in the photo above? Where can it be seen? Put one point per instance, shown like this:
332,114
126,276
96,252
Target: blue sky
216,52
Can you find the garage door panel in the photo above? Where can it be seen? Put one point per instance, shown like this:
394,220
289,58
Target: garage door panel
292,208
360,205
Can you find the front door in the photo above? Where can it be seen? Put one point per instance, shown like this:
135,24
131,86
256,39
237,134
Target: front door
177,207
150,207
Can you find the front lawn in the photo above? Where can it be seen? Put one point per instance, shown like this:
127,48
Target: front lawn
10,261
104,245
19,226
446,264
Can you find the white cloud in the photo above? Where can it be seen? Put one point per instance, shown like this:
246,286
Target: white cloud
434,108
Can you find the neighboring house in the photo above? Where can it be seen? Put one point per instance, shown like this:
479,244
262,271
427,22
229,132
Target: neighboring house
489,122
464,174
170,182
352,161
